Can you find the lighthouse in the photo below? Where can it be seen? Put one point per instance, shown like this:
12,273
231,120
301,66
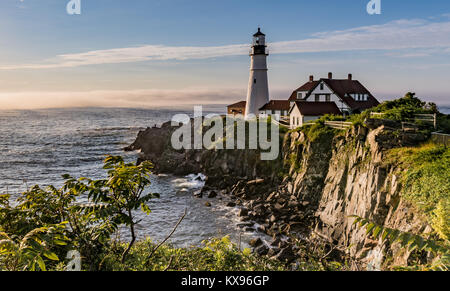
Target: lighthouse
258,86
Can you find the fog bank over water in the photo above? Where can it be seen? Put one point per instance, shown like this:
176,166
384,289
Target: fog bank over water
160,98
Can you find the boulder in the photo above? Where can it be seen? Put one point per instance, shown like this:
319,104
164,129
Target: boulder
198,194
285,255
256,242
273,252
243,212
261,250
212,194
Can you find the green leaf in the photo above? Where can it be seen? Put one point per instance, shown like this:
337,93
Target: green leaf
370,227
386,233
51,256
41,263
377,231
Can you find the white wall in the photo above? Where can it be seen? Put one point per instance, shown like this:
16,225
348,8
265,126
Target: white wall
333,97
295,118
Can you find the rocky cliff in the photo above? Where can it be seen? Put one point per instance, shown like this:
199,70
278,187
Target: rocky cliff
322,178
346,175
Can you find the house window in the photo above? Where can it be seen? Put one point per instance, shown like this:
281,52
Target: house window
254,81
321,86
317,98
299,95
328,97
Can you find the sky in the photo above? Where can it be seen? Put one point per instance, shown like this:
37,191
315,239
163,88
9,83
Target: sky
146,53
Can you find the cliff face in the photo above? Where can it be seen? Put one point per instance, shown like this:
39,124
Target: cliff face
348,175
220,166
327,178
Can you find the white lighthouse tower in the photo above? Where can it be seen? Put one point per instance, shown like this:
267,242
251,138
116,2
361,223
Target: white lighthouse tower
258,87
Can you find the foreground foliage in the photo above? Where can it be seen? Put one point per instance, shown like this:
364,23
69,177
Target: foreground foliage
439,249
43,225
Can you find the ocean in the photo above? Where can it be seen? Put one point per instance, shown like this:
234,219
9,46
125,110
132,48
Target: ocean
38,146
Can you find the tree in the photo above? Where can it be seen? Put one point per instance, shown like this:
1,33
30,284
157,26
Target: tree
123,192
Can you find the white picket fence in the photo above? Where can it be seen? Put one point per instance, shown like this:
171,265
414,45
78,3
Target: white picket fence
431,118
338,124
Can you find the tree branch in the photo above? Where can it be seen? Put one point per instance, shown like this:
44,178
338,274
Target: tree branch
170,234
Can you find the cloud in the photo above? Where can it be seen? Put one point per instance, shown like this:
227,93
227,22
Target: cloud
120,98
395,35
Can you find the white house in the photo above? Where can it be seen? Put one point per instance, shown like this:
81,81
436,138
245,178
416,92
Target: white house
349,95
302,111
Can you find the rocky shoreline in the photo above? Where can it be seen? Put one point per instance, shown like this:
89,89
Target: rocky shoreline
304,199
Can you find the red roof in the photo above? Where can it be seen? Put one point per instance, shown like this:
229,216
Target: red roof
277,105
317,108
240,104
309,86
342,88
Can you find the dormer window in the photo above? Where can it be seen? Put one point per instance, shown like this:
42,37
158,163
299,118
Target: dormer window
299,95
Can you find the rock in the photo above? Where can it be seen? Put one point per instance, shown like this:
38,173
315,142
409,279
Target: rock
198,194
249,229
273,252
212,194
285,255
262,228
207,204
255,182
261,250
246,224
272,218
255,242
278,206
231,204
243,212
276,243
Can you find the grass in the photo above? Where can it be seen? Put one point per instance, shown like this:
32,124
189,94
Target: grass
426,182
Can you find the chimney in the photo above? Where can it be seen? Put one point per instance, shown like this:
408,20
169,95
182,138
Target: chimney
311,78
330,75
350,77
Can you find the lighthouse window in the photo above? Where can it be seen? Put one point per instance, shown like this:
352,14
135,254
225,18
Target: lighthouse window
254,81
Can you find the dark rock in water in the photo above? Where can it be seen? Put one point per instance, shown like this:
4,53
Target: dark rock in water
198,194
212,194
246,224
261,250
243,212
255,242
231,204
262,228
207,204
285,255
